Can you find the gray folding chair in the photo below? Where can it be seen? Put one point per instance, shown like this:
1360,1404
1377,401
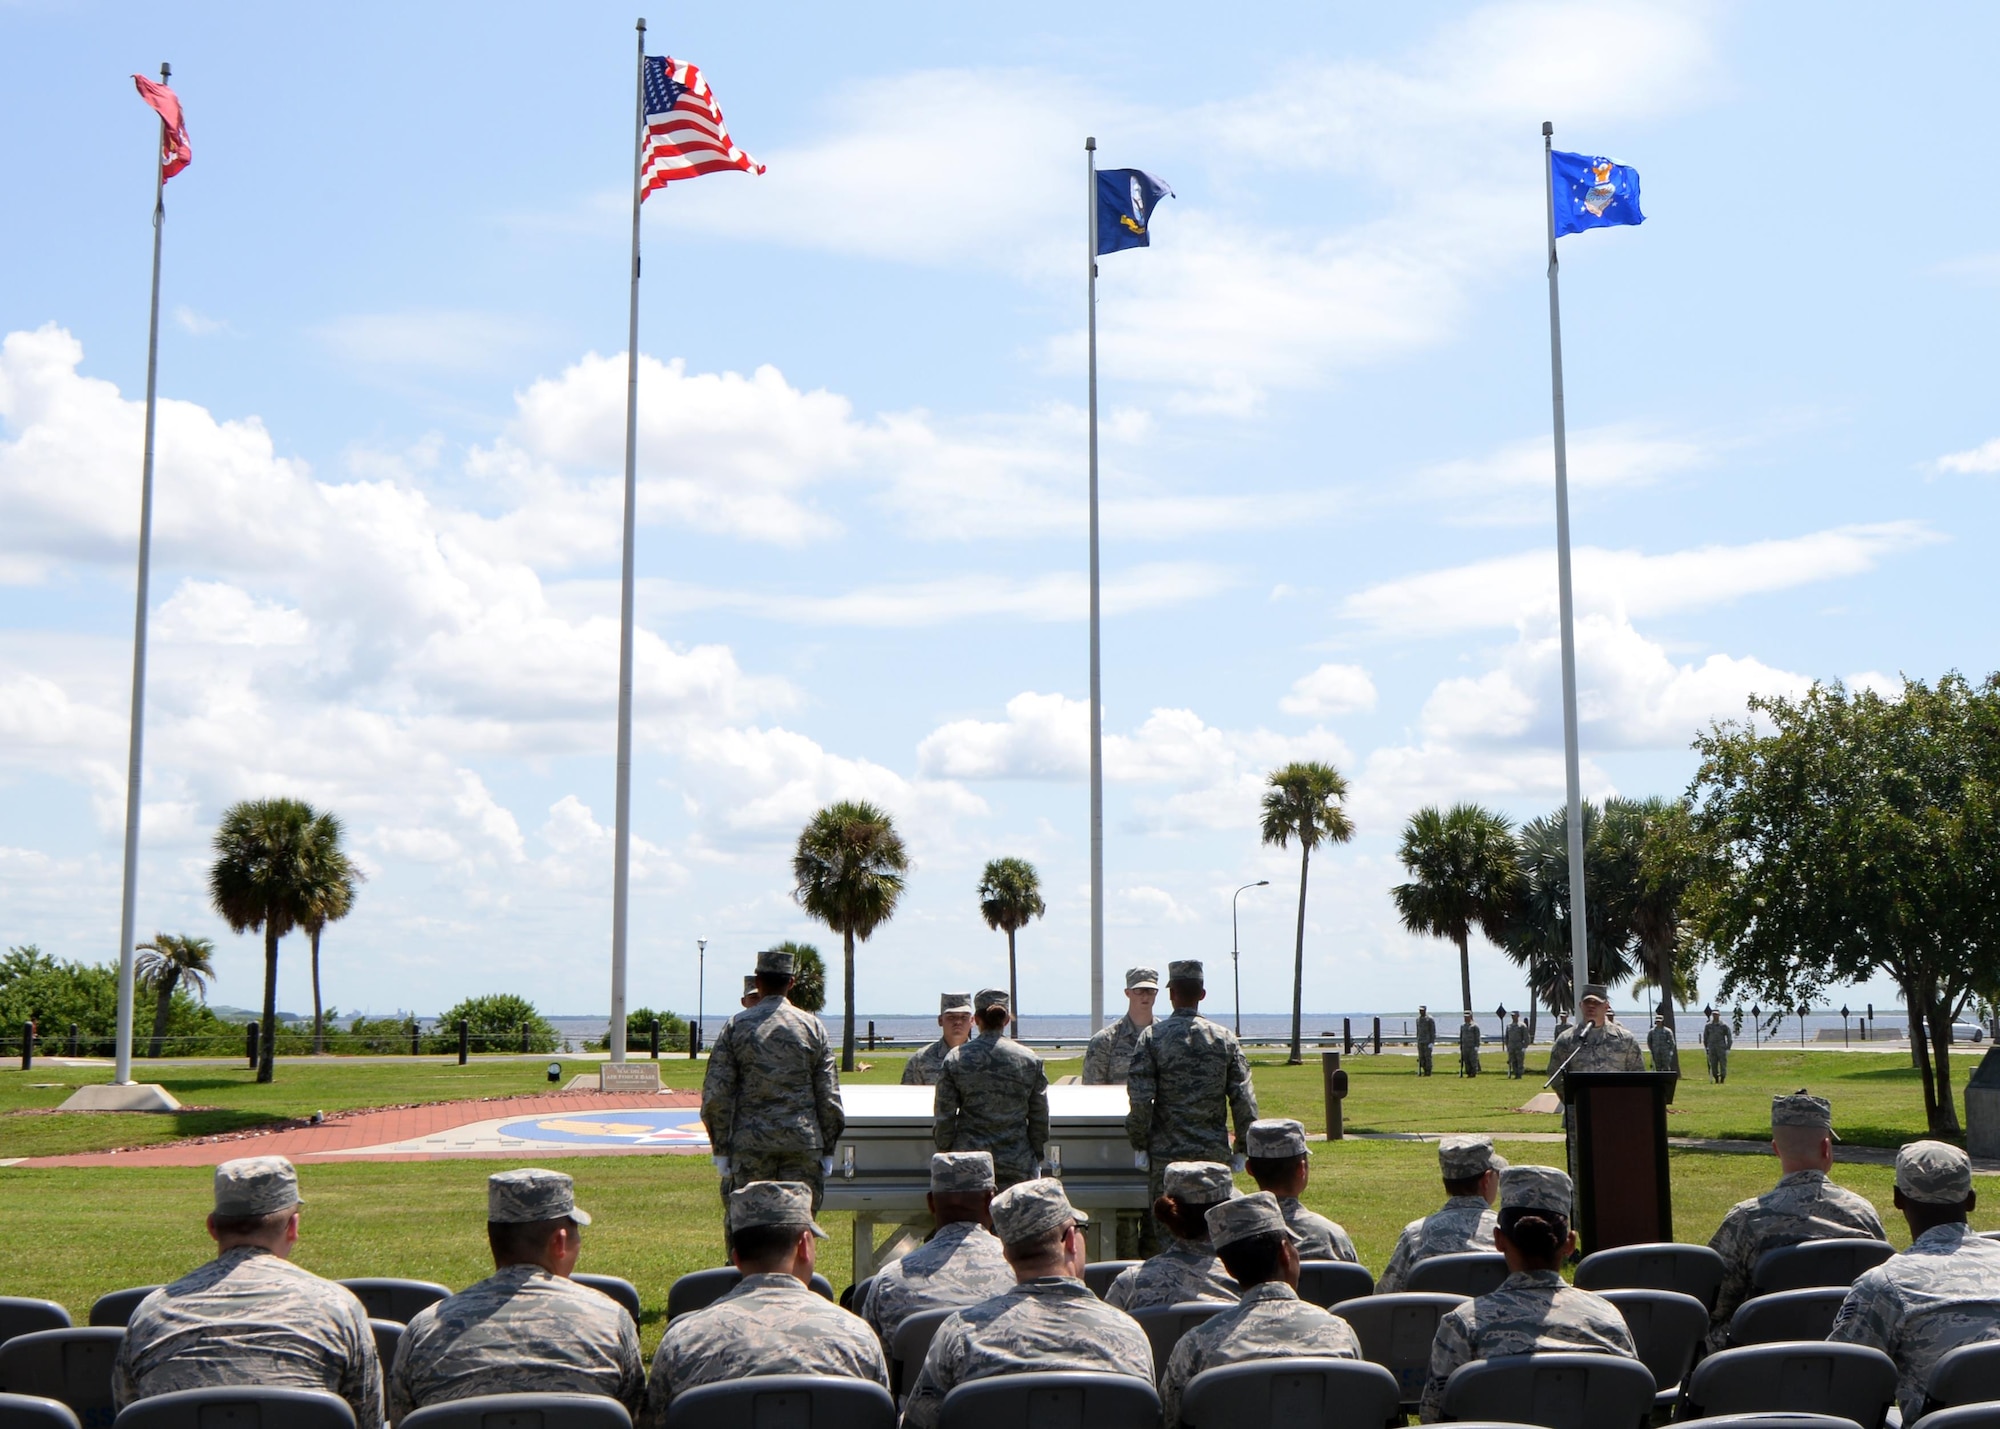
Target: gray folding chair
238,1407
855,1296
1969,1374
388,1298
1667,1328
1556,1391
72,1366
115,1309
523,1411
1660,1265
388,1336
22,1316
1326,1283
1165,1324
618,1288
1099,1274
1472,1272
1051,1399
1966,1416
1776,1421
26,1411
780,1401
1396,1331
1857,1382
699,1289
1786,1315
1815,1263
1301,1393
909,1345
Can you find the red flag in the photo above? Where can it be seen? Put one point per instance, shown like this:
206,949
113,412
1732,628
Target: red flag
175,154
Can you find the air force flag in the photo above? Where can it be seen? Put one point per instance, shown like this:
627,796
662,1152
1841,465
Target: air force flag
1592,192
1125,199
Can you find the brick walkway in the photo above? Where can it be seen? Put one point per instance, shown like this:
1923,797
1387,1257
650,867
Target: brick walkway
344,1132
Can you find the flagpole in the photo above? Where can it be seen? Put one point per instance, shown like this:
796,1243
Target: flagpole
135,748
1096,685
621,858
1579,931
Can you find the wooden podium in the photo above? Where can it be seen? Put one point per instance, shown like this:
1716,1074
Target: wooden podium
1623,1192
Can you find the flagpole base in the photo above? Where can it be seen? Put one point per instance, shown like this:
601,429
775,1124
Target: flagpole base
121,1096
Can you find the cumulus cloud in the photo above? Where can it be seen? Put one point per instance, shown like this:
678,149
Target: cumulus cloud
1981,460
1330,690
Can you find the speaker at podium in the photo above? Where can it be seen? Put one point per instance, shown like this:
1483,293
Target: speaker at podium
1624,1195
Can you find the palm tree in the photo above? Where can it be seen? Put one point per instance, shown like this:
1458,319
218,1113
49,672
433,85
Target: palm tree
169,961
847,871
1010,897
808,992
1536,933
1462,872
1304,804
263,878
1652,859
333,876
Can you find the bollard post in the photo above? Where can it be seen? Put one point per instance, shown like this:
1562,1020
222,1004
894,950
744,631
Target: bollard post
1378,1036
250,1036
653,1033
694,1038
524,1038
1333,1083
464,1040
1347,1035
27,1046
75,1041
415,1039
871,1034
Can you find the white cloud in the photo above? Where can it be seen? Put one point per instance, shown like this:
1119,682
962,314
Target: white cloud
1144,905
209,612
1330,690
442,339
1516,482
1981,460
198,324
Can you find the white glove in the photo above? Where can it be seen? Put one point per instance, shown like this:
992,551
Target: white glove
1141,1160
826,1166
1239,1164
721,1165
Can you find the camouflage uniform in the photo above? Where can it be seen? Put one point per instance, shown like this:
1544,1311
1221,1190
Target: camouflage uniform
1466,1223
1804,1206
1185,1270
1515,1040
1609,1048
961,1264
519,1331
1049,1323
1108,1058
771,1097
1469,1040
1269,1323
1666,1051
1427,1035
926,1065
1716,1040
994,1096
1319,1238
1189,1077
1532,1310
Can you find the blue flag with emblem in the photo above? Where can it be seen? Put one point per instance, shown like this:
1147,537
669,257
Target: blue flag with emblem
1125,199
1592,192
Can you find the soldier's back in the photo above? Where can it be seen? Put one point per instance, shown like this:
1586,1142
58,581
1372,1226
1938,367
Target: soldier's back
1805,1205
1187,1065
994,1093
763,1088
1533,1310
1465,1223
1916,1307
1269,1323
1319,1237
1184,1270
962,1264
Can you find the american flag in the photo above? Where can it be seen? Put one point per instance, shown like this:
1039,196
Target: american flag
175,153
685,134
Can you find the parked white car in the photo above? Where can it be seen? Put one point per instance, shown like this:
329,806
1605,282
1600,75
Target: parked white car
1967,1032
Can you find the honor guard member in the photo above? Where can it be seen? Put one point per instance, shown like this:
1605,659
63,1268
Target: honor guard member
1943,1292
1269,1322
1189,1077
1515,1040
1665,1050
1533,1310
1427,1035
1465,1223
1048,1320
771,1321
993,1095
1596,1044
250,1317
1280,1163
771,1098
1716,1040
1108,1058
1804,1205
527,1328
955,1023
961,1264
1186,1268
751,997
1469,1040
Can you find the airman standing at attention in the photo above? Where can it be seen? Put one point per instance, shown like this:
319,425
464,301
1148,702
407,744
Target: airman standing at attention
993,1095
1281,1163
1189,1077
1427,1035
1108,1058
1660,1042
1716,1040
1515,1039
1469,1040
955,1023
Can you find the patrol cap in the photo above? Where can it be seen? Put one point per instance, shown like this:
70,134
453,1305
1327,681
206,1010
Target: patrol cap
1933,1173
1462,1156
787,1204
990,997
1272,1138
961,1171
1201,1181
1800,1108
954,1002
1597,990
1536,1188
1142,979
1247,1216
749,984
779,961
1029,1209
520,1197
256,1186
1184,970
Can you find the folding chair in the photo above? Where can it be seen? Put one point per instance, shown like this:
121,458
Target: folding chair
26,1411
388,1337
1785,1315
1301,1393
1099,1274
239,1407
388,1298
1472,1272
1966,1416
115,1309
22,1316
619,1289
909,1345
1778,1421
699,1289
1396,1331
1165,1324
855,1296
71,1366
1667,1328
1556,1391
523,1411
1817,1262
1326,1283
1050,1398
794,1401
1969,1374
1856,1382
1660,1265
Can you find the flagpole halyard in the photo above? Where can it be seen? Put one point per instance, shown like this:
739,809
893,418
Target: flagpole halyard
621,857
1096,686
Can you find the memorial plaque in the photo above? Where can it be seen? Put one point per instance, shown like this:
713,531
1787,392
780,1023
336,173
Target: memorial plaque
629,1077
1623,1192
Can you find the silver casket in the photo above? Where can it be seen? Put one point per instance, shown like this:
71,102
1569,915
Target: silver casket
882,1164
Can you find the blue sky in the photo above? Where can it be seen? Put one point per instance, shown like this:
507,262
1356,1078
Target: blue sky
391,360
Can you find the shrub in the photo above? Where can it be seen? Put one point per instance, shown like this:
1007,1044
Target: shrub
494,1024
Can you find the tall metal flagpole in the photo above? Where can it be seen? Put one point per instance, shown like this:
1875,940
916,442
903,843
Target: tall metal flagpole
1096,687
621,858
1579,932
135,758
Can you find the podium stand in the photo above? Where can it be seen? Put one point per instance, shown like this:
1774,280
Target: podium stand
1623,1193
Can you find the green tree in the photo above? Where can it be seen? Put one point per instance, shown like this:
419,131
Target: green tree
263,878
1463,875
847,871
1535,933
808,992
332,875
172,961
1650,857
494,1024
1010,897
639,1030
1304,803
1849,834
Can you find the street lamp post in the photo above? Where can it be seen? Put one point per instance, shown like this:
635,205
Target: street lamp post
1236,952
700,993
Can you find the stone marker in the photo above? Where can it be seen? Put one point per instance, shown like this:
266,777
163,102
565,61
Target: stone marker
1982,1107
629,1077
1542,1101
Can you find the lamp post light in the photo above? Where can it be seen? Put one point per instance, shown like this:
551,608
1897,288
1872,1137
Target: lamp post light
1236,951
700,994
